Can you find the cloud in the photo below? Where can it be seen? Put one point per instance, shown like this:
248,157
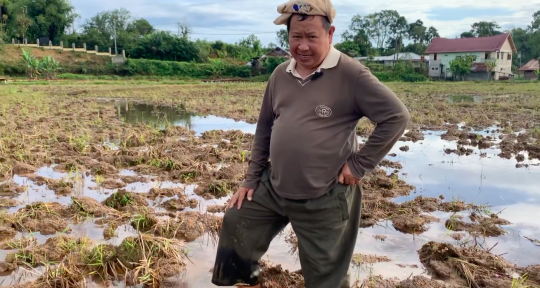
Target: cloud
231,20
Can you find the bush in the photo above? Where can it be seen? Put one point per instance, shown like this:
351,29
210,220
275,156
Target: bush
412,77
384,76
14,69
405,77
273,62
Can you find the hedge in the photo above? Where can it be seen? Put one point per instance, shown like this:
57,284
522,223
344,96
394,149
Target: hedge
144,67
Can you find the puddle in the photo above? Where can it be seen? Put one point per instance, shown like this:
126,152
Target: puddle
474,179
158,116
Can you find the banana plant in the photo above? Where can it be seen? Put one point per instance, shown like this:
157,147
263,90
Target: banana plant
49,67
32,64
537,73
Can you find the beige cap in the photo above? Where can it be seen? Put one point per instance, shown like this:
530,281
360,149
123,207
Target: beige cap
308,7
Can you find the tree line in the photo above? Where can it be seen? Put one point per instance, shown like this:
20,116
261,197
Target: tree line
381,33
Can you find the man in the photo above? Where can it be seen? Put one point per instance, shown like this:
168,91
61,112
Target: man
305,167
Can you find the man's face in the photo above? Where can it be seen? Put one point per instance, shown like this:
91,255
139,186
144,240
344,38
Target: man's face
308,41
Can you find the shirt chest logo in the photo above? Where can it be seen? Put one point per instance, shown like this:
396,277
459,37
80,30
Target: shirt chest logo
323,111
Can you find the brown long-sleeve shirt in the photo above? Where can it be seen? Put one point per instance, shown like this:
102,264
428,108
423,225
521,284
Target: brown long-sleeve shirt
307,127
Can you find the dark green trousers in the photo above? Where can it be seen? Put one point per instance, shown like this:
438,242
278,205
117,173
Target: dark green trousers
326,228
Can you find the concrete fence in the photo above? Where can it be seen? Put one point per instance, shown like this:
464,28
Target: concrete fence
61,47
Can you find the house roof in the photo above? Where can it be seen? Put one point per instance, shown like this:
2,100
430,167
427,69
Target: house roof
479,67
278,52
480,44
532,65
401,56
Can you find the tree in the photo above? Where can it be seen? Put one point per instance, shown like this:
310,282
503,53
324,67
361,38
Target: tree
184,31
42,18
399,30
485,29
251,42
3,20
377,27
431,34
461,66
355,43
490,65
467,35
283,38
140,27
350,48
535,24
417,32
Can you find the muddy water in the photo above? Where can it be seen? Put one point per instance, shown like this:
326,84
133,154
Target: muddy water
474,179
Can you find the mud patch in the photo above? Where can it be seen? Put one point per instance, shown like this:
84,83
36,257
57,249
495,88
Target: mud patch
421,203
46,218
188,226
481,225
361,259
123,200
380,237
459,151
7,233
155,193
177,204
7,202
462,265
112,184
276,277
415,135
10,188
390,164
216,208
412,223
217,189
423,282
134,179
455,206
89,207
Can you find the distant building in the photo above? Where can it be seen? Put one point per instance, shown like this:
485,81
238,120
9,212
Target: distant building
498,48
276,52
392,59
530,68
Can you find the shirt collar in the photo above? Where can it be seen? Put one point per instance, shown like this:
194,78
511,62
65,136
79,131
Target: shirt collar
330,61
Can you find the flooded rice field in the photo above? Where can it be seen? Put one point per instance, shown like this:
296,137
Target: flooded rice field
126,191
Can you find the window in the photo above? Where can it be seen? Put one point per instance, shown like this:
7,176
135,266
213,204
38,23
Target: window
487,56
498,55
509,56
435,57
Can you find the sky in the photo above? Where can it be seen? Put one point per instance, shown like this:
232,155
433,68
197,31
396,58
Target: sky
232,20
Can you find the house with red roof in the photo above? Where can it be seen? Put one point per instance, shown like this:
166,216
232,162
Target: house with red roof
497,48
530,69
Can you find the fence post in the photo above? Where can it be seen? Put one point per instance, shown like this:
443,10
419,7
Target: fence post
37,42
84,46
97,51
124,53
109,50
73,46
13,41
25,41
61,45
50,44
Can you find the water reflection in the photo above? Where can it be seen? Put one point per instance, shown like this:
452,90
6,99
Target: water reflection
177,116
